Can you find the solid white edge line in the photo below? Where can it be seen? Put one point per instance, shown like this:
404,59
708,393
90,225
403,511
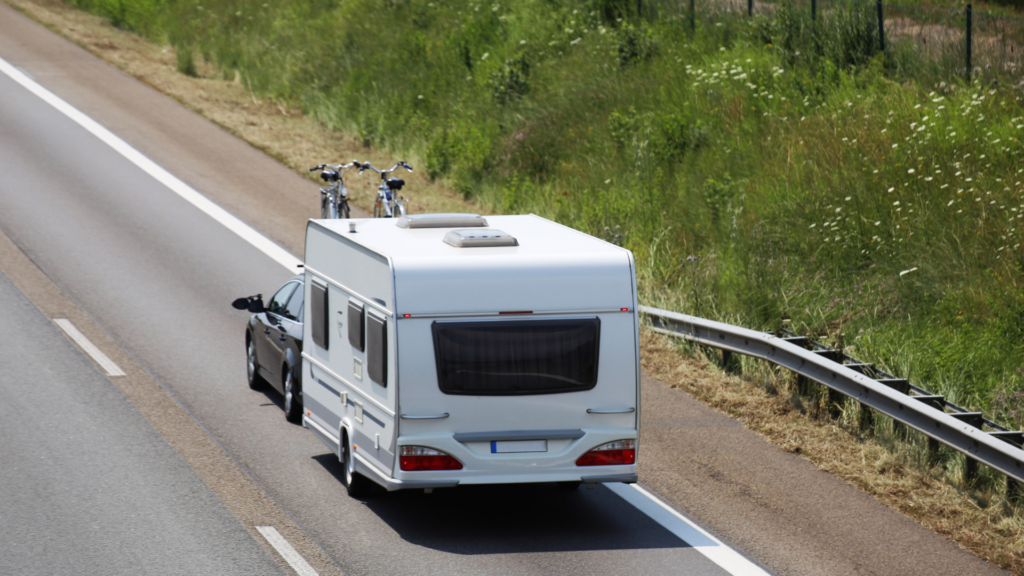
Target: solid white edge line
285,549
231,222
718,553
89,348
699,539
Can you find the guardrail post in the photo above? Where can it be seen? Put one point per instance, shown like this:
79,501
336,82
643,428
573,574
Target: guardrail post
1014,489
970,464
881,27
939,403
901,385
969,26
867,418
835,398
730,364
803,385
726,360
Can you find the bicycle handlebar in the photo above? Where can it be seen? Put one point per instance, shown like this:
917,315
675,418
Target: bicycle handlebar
339,167
401,163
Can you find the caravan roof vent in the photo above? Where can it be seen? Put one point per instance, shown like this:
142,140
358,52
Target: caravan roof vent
479,238
441,221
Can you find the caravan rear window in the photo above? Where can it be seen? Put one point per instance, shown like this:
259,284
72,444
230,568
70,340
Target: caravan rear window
516,357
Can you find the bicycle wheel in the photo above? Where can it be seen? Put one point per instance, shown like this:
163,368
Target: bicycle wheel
324,206
378,209
344,212
398,211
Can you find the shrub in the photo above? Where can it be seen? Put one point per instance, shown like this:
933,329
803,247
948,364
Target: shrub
510,81
185,59
635,45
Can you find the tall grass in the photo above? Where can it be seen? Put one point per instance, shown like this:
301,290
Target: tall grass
758,168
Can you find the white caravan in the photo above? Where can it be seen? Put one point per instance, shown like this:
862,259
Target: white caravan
447,349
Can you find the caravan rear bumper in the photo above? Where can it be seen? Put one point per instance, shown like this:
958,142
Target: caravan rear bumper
392,484
483,466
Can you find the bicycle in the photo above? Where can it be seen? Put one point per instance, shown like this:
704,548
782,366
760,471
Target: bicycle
388,204
334,196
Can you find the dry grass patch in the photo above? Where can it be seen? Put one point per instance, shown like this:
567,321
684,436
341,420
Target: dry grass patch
977,518
274,127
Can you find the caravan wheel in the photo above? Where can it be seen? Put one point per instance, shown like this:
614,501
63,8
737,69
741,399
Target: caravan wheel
355,483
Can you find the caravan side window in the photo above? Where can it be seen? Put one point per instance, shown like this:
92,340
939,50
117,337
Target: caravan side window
318,311
377,348
356,322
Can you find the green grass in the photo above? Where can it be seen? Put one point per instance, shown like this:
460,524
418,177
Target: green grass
757,169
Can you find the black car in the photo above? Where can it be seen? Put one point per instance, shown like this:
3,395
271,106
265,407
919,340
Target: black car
273,344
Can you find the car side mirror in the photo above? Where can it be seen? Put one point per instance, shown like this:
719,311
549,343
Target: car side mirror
253,304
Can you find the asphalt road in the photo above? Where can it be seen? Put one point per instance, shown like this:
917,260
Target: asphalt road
89,487
159,276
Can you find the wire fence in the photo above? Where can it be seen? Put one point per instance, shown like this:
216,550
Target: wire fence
928,42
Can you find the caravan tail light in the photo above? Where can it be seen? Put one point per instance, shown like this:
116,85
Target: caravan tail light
610,454
413,458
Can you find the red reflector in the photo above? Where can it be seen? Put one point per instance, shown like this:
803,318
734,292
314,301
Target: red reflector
625,309
406,315
438,462
517,312
607,457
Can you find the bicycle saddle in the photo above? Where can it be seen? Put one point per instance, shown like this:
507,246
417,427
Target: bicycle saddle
395,183
329,175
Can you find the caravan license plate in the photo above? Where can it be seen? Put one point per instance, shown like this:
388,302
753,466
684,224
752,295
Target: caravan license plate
519,446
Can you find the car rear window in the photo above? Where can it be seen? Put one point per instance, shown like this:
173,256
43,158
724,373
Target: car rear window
517,357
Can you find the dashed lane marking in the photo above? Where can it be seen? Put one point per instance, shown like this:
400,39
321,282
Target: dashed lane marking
89,348
285,549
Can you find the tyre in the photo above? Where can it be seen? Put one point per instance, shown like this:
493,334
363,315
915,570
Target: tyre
292,397
252,367
378,208
344,210
356,485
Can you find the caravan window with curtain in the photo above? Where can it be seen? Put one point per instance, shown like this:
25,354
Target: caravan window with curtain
517,357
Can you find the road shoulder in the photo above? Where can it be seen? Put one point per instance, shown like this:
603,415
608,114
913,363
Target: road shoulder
776,505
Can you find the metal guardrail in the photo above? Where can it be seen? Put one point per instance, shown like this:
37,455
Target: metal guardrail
961,430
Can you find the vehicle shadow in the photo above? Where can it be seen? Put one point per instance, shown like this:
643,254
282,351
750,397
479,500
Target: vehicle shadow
516,518
277,399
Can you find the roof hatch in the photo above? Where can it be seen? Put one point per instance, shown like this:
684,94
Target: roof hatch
479,238
442,221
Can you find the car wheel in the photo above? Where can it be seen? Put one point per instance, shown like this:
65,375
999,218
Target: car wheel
292,400
354,482
252,367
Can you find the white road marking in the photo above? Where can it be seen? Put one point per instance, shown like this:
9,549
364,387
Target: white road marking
711,547
285,549
90,348
231,222
699,539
